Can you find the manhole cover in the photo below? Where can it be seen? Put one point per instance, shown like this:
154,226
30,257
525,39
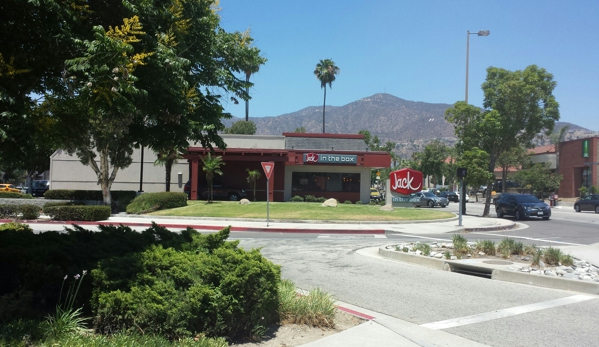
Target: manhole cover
497,262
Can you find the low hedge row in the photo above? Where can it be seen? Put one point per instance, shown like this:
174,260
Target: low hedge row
78,212
69,194
20,211
14,195
150,202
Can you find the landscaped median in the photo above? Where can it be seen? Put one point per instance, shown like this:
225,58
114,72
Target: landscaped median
303,211
498,269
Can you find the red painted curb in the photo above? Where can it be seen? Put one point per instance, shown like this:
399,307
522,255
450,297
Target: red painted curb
213,227
355,313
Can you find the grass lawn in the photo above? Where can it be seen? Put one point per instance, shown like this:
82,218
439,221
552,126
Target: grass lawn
302,211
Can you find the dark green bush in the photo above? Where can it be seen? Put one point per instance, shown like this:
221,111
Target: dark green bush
78,213
70,194
150,202
321,199
14,226
297,198
211,287
20,211
347,202
310,198
14,195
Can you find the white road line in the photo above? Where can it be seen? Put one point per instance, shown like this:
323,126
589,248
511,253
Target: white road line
508,312
351,236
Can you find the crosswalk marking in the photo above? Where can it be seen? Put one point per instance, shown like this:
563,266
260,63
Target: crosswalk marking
508,312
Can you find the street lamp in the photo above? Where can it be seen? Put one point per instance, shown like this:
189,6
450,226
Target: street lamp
480,33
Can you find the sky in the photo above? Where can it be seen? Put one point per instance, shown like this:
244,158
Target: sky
416,50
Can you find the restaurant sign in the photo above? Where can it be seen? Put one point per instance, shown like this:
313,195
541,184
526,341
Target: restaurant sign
406,181
324,158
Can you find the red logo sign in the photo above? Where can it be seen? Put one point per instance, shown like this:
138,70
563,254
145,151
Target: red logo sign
406,181
311,158
268,167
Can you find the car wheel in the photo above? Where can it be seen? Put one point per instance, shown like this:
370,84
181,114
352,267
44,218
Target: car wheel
596,209
233,197
431,204
577,208
443,205
518,215
499,213
546,218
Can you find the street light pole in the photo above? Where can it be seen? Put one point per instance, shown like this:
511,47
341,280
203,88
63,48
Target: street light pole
479,33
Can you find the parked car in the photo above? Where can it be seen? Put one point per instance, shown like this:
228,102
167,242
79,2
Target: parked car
375,194
498,185
39,187
7,187
467,197
451,196
588,203
521,206
219,192
429,199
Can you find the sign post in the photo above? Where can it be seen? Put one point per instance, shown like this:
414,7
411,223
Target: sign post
268,167
461,173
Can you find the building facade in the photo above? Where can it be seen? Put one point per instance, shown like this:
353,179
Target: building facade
578,163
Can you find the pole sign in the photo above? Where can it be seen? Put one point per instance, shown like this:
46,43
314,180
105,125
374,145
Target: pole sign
268,167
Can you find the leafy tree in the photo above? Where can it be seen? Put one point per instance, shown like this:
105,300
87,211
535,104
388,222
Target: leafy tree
211,166
539,178
476,161
325,72
513,157
250,64
242,127
300,130
253,177
432,159
518,105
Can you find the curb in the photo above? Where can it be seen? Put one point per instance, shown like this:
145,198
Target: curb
495,274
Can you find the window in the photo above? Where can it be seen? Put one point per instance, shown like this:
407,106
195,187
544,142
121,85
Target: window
325,182
586,177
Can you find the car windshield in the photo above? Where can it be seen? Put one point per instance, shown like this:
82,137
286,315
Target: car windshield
526,199
429,194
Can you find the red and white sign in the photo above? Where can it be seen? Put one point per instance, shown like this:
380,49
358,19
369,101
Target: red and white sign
268,167
406,181
311,158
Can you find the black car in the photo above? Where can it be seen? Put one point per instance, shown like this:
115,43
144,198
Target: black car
521,206
429,199
451,196
588,203
39,187
219,192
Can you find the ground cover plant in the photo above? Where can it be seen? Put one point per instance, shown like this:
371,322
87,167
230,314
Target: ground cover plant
302,210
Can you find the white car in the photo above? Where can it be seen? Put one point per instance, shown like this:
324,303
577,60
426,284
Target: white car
467,197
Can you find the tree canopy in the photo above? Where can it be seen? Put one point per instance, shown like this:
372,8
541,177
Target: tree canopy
518,105
242,127
326,72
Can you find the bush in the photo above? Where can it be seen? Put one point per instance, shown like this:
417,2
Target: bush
14,195
150,202
315,309
347,202
20,211
310,198
70,194
78,212
297,198
359,202
14,226
321,199
211,287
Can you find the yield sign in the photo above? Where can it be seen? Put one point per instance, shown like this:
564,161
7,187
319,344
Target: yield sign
268,167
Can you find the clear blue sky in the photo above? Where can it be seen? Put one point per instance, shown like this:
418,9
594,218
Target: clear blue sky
416,50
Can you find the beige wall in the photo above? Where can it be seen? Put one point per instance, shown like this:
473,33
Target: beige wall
544,158
67,172
254,141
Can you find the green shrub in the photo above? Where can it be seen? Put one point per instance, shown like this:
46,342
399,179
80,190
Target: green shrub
124,339
150,202
70,194
78,213
425,248
321,199
460,245
14,226
20,211
486,246
359,202
297,198
223,291
310,198
566,260
347,202
552,256
14,195
315,309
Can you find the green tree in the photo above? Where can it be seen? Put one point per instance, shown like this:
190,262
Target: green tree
242,127
539,178
325,71
432,160
250,64
518,106
300,130
253,177
168,158
211,166
477,163
512,158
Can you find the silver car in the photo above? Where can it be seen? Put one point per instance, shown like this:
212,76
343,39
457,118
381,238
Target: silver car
429,199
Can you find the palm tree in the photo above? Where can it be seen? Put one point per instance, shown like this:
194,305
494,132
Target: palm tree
325,72
211,166
168,157
250,64
253,177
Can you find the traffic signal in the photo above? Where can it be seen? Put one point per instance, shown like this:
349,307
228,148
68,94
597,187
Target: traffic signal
462,172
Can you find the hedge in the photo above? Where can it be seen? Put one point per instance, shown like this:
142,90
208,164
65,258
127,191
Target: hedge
78,212
69,194
24,211
14,195
150,202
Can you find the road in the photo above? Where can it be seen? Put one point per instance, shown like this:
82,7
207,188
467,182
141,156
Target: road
531,316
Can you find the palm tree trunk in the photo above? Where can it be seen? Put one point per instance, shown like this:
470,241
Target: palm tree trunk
323,106
168,167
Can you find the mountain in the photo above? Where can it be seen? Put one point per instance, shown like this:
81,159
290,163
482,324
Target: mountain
410,124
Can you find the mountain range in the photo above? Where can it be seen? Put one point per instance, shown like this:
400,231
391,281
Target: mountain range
410,124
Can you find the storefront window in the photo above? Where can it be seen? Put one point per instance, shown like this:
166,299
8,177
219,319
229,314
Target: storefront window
586,177
325,182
